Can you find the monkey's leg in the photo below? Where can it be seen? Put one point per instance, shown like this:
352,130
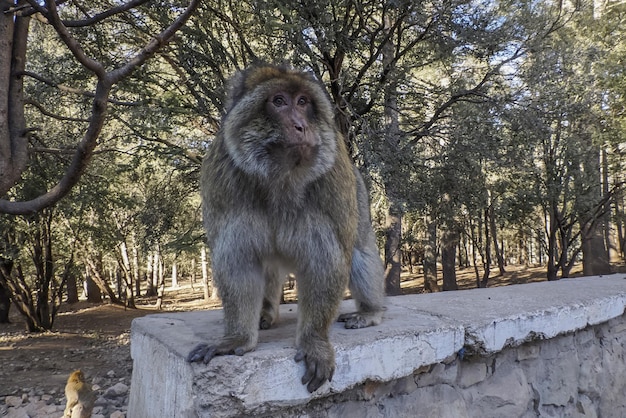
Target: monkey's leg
320,290
367,289
271,301
239,281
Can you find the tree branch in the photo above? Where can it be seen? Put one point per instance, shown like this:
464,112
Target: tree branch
52,15
154,45
84,150
101,16
45,112
74,90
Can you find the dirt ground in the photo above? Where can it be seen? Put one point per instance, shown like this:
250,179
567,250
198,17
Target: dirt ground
96,338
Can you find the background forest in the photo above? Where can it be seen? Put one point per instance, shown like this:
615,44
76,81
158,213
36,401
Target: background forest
490,133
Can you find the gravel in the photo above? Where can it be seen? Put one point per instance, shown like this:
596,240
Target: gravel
112,400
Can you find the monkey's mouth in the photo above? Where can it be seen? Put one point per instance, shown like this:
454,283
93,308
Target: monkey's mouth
294,154
301,153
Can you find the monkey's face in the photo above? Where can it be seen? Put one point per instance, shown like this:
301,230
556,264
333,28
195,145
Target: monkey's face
283,129
293,143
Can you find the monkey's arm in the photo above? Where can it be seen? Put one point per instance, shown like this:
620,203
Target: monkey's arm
237,252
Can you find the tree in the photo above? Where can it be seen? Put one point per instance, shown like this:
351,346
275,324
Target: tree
70,25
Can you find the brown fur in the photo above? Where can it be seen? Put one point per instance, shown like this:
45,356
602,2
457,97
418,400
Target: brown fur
80,396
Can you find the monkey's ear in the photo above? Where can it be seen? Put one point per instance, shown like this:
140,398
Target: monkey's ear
243,82
236,89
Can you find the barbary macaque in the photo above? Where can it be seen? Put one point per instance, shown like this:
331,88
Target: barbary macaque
80,396
281,196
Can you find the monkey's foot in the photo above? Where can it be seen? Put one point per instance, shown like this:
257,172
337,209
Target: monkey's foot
229,345
319,363
268,317
354,320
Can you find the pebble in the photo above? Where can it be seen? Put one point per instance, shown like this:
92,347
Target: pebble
111,403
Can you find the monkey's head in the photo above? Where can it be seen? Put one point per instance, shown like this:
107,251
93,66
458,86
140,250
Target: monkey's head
280,125
76,376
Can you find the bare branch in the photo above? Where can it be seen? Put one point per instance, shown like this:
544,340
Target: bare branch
44,111
101,16
77,167
52,15
459,96
154,45
73,90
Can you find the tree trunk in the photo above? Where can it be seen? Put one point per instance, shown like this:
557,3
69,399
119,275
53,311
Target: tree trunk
160,268
619,216
494,235
150,276
393,250
92,290
552,247
609,235
487,252
136,270
449,243
594,229
595,254
13,142
430,258
174,275
474,240
205,274
128,275
393,265
192,276
94,274
5,304
71,287
5,293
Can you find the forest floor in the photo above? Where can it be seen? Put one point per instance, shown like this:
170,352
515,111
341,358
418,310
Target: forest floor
96,338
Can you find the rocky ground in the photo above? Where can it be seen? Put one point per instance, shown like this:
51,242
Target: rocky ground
35,367
96,339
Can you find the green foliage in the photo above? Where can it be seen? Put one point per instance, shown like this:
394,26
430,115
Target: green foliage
451,108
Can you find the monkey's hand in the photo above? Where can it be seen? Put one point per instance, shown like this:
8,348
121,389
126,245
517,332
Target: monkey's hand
229,345
319,363
355,320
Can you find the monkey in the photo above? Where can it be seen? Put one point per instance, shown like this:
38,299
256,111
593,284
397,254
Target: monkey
80,396
281,196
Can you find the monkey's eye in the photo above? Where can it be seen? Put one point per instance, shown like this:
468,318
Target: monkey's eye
302,101
279,101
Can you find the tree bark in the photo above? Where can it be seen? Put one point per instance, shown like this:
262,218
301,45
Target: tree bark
5,304
13,141
494,236
174,275
393,264
484,282
619,216
136,270
71,285
430,258
552,247
5,293
393,249
94,274
595,254
449,243
593,227
205,273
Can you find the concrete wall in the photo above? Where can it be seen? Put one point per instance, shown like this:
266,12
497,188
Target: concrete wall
544,349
